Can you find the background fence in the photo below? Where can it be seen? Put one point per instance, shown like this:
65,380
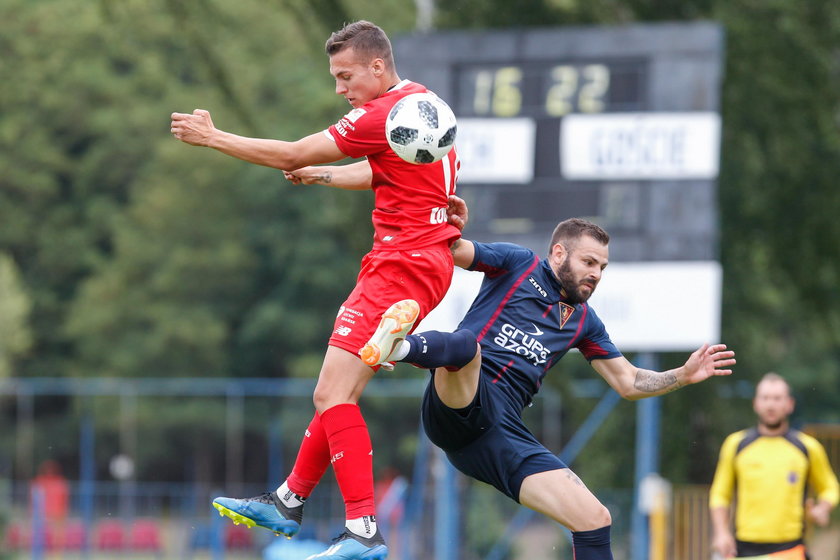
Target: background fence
111,511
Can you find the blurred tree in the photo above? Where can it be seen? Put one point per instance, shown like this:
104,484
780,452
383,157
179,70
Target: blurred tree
15,334
778,186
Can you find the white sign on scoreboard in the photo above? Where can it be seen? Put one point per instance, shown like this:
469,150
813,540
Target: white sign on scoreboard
660,306
496,150
640,146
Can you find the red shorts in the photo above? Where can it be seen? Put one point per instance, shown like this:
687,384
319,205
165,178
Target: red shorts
387,277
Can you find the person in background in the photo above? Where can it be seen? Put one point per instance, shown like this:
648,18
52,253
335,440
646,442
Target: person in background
52,492
767,472
52,485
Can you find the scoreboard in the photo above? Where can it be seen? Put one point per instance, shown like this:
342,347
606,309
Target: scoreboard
548,88
619,125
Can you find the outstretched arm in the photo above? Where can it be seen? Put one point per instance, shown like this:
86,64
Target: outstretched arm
197,129
635,383
353,176
358,176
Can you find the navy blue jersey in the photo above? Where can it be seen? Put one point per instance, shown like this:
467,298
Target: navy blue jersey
522,322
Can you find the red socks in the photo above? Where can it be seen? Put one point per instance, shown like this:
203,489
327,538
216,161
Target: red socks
352,457
339,435
312,460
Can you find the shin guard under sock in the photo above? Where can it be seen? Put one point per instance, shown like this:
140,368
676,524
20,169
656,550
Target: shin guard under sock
312,460
592,545
432,349
352,457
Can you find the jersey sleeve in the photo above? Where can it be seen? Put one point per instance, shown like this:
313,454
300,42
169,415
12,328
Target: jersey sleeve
494,259
361,132
595,343
821,477
723,484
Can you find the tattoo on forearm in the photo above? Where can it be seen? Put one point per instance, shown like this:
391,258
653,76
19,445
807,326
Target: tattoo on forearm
653,381
325,178
573,477
454,246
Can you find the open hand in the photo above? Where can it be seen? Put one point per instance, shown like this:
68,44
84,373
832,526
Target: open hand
706,361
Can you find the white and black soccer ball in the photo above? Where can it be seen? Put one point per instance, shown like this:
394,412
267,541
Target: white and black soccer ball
421,128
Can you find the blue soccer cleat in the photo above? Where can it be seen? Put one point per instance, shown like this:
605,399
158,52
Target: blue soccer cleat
262,511
349,546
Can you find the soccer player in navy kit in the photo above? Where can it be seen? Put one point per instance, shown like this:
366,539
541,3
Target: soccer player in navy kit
528,313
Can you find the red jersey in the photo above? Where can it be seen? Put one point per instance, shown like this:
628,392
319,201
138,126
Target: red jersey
410,199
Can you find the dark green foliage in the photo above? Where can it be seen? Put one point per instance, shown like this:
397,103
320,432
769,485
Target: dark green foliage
144,257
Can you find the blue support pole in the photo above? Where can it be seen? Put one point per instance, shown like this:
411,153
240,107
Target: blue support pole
647,458
583,434
416,494
217,537
446,509
39,526
87,480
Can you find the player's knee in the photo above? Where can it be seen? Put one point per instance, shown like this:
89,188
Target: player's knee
463,349
467,344
324,398
320,398
467,338
469,363
592,518
602,518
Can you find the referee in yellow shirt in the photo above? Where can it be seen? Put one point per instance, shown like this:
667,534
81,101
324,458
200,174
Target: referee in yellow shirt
768,471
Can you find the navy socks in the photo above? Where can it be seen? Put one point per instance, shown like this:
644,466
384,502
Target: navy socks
592,545
433,349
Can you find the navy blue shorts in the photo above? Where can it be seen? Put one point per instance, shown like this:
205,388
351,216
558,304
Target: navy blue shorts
487,440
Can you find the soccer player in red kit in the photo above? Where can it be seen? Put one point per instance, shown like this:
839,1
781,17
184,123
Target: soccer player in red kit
410,259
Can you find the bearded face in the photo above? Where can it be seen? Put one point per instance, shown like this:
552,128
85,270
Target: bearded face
579,269
577,289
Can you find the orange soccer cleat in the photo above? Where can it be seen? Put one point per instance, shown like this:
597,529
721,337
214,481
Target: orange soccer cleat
395,324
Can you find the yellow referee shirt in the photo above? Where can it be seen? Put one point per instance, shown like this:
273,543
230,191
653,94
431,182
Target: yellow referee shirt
769,477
